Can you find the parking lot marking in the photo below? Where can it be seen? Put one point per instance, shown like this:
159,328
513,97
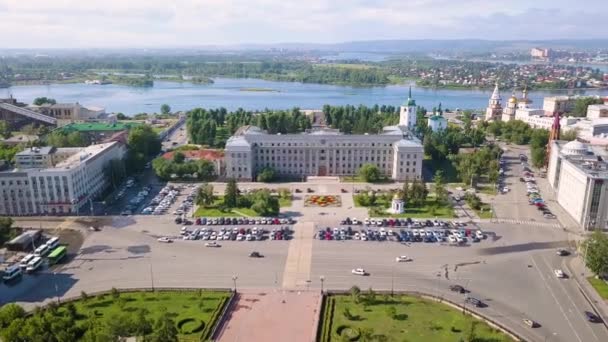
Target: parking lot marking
299,256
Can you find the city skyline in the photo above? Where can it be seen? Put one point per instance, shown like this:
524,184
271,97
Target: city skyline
153,23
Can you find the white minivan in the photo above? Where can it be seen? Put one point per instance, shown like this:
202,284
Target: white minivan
42,250
26,260
12,272
33,265
53,242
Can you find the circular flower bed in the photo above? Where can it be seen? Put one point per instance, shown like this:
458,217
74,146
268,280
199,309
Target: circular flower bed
323,201
190,326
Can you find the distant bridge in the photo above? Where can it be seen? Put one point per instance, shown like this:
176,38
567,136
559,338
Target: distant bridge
28,113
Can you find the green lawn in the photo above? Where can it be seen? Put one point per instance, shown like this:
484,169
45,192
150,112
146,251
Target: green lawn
201,306
486,213
450,175
487,189
413,319
601,286
284,202
429,210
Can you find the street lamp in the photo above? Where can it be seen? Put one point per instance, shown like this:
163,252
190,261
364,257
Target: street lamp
322,279
56,287
234,278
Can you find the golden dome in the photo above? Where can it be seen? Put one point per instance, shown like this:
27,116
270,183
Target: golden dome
513,99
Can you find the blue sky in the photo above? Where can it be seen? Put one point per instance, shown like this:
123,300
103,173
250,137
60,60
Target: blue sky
161,23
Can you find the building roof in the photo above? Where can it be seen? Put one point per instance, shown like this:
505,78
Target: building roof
437,118
410,101
99,126
589,159
36,151
82,156
206,154
495,93
574,148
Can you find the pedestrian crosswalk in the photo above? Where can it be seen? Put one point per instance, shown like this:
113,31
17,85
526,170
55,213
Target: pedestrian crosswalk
527,222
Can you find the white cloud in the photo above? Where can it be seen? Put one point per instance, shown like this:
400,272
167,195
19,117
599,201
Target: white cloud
124,23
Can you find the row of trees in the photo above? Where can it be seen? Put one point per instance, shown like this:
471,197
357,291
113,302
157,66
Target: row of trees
261,201
67,324
58,138
143,143
361,119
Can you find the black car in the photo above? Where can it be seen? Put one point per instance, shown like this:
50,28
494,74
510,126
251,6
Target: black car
457,288
178,220
474,301
591,317
563,252
255,255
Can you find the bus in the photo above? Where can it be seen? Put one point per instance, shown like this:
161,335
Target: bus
57,254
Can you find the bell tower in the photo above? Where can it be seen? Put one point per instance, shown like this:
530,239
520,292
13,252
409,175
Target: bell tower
407,113
494,110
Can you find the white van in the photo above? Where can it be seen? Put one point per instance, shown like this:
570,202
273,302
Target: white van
33,265
42,250
26,260
12,272
52,243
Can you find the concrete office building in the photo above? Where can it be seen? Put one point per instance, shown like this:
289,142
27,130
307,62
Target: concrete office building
327,152
579,175
56,181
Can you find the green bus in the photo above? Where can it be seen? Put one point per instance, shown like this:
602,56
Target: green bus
57,254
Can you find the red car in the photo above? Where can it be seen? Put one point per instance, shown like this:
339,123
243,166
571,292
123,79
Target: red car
198,221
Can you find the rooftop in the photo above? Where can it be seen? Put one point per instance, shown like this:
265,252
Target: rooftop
36,151
592,160
83,155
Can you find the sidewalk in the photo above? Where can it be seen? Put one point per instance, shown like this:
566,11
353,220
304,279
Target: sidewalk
580,273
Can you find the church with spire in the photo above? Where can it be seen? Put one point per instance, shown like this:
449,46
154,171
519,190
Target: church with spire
494,110
407,113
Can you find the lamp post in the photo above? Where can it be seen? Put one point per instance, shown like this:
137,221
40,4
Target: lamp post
322,279
56,287
234,278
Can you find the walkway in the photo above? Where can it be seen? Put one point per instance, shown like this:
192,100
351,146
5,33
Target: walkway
299,256
277,315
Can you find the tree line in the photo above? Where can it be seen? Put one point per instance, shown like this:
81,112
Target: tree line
180,168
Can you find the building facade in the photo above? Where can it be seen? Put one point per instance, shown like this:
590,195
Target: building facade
578,173
62,181
67,113
597,111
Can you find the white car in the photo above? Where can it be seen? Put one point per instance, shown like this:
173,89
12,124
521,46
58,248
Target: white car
212,244
559,273
355,221
359,271
479,234
164,239
403,258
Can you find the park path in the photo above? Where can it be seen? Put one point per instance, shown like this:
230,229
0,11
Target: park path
277,315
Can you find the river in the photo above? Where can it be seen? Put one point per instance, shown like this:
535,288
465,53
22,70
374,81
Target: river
232,94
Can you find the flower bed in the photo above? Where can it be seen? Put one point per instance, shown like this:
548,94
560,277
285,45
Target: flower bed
323,201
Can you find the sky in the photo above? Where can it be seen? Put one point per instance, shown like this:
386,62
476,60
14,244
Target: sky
187,23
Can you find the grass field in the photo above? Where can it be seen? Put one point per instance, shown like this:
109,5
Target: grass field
485,212
601,286
200,306
284,202
214,211
400,318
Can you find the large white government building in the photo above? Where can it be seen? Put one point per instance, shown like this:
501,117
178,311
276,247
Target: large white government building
579,175
327,152
50,180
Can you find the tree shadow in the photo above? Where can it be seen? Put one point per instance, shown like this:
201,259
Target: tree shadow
401,317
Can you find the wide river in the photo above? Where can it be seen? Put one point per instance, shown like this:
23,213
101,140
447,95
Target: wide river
234,93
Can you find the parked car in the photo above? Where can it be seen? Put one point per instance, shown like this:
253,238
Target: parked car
457,288
212,244
164,239
474,301
255,255
562,252
559,273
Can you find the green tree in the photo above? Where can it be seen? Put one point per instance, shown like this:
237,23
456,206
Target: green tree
538,156
179,157
141,325
5,131
10,312
405,191
596,247
263,203
121,116
39,101
231,194
165,109
581,104
370,173
204,195
164,330
6,229
441,193
569,135
267,174
391,312
142,144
